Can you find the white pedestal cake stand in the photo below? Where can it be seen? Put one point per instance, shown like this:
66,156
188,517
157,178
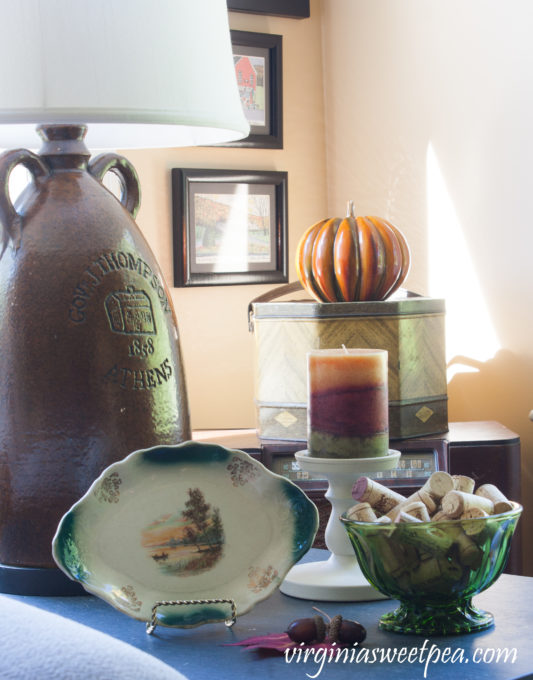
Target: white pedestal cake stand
338,578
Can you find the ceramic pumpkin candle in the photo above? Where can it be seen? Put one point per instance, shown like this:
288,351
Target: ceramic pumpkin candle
352,259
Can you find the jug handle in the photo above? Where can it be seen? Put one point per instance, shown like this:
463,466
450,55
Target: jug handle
10,220
120,166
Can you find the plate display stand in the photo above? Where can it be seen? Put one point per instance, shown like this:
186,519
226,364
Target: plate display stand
339,578
151,625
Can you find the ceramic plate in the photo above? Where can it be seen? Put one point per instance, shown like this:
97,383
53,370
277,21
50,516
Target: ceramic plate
187,522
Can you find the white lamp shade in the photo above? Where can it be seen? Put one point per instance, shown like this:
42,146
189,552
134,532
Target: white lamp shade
140,73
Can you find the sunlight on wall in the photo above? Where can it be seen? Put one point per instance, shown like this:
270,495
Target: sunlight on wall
470,335
232,252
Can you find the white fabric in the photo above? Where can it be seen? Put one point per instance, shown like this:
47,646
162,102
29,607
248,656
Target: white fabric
141,73
39,645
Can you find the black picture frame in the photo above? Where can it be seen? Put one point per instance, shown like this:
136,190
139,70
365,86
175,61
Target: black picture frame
296,9
208,249
263,102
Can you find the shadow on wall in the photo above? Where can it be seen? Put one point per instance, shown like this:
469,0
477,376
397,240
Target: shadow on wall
477,394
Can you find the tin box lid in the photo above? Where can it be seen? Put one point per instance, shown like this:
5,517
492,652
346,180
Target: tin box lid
324,310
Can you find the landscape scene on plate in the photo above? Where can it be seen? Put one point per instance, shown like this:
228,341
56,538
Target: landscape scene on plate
188,541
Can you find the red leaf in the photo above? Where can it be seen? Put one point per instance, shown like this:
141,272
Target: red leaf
276,641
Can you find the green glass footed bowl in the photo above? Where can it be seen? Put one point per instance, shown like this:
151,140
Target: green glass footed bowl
434,569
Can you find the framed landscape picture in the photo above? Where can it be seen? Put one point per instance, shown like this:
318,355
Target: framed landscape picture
229,227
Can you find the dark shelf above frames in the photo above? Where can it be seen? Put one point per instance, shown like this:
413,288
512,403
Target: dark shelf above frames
296,9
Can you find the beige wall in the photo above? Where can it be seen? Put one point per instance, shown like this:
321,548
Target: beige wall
428,110
428,123
216,344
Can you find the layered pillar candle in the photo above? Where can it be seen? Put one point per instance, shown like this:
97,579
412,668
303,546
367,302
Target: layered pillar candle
348,406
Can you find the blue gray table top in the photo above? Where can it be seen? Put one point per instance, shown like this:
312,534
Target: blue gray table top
503,652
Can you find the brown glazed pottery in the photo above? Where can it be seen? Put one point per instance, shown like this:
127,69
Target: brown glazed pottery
90,363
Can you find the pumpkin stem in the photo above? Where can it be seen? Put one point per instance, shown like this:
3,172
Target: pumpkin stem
350,210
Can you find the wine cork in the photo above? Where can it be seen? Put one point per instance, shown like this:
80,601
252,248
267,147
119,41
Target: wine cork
438,516
438,484
383,520
472,556
455,503
427,572
501,503
427,499
469,553
424,555
474,513
463,483
434,540
392,514
362,512
417,497
392,561
410,554
380,497
418,510
502,506
404,517
473,528
450,570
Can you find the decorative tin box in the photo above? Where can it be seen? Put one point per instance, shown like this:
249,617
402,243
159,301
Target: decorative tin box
411,329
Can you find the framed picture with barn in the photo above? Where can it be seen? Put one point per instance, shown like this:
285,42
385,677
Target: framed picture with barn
257,58
229,227
296,9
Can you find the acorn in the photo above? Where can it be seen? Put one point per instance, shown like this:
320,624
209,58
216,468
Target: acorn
345,632
308,631
312,630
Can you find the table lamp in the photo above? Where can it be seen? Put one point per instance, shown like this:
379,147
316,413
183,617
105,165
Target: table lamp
90,362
